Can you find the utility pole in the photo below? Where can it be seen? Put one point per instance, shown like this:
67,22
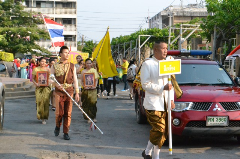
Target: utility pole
214,43
54,3
32,5
124,49
82,41
180,40
118,52
135,49
130,49
170,24
181,3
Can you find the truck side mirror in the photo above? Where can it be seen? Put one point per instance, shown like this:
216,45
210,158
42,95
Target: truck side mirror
236,80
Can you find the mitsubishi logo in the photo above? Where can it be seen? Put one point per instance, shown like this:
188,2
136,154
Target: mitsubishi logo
216,108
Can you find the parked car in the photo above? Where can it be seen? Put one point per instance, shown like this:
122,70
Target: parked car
2,100
4,72
210,104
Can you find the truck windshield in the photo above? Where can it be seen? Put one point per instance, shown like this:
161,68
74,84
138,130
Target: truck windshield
201,74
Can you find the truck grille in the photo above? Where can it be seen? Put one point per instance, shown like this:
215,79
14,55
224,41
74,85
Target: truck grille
229,106
203,124
201,106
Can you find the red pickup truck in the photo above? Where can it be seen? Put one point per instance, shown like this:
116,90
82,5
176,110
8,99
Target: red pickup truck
210,104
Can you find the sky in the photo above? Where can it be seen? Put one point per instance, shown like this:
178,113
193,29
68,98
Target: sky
122,16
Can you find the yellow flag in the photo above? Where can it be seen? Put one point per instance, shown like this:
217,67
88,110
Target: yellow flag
104,57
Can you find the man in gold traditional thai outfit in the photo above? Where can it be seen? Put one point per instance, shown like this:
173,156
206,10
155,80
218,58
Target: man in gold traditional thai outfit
65,74
89,93
155,103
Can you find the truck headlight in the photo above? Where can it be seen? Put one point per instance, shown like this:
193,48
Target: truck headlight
182,106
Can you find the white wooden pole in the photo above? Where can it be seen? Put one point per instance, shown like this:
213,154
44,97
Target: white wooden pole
169,119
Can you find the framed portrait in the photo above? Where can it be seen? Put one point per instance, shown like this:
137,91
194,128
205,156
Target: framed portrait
42,78
88,79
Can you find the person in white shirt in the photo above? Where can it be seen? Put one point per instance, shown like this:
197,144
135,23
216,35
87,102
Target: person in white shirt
132,65
155,103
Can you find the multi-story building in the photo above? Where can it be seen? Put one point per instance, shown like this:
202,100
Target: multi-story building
177,14
61,11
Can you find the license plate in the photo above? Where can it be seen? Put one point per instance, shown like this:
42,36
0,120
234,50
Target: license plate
217,121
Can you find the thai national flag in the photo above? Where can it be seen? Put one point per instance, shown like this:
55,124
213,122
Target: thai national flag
56,32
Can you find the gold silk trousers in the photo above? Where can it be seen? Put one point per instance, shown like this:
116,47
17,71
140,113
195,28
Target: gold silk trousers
159,122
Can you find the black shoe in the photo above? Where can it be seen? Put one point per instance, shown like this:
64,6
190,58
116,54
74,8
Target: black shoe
146,156
56,131
66,137
53,109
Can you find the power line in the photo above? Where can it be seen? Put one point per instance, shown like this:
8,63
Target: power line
79,23
115,12
111,20
86,37
105,31
105,28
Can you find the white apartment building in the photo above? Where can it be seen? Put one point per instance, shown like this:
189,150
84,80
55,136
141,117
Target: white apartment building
61,11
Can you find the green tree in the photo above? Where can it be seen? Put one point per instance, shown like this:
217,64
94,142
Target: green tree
157,35
89,47
79,46
19,29
224,15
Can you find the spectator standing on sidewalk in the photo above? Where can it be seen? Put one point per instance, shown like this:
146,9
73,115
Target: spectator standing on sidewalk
119,70
105,84
79,67
100,80
23,66
134,69
32,65
18,67
124,70
14,69
110,82
52,95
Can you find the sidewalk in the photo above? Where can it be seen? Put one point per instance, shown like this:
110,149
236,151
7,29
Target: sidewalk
9,80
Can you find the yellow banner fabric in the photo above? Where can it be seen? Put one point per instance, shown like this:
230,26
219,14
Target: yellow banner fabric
73,55
5,56
104,57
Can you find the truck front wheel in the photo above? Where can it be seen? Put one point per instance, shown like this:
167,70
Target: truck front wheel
141,119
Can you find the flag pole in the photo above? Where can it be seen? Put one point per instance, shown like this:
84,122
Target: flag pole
50,36
169,119
102,42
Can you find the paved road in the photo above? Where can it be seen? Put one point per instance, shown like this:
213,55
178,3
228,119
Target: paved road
24,137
